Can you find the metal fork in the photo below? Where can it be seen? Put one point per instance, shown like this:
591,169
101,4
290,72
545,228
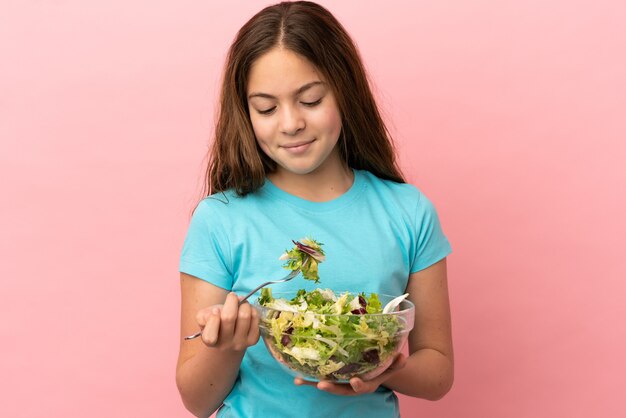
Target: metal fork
284,279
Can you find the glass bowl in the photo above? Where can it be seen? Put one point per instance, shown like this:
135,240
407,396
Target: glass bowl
335,347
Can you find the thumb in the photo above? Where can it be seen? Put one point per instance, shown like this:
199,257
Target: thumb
399,361
204,314
369,385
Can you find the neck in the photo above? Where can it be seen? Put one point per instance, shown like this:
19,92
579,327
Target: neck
320,185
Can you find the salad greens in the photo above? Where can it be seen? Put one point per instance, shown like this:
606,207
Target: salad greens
305,255
328,336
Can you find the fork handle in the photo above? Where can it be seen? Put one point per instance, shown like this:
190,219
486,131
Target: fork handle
197,334
284,279
289,277
253,292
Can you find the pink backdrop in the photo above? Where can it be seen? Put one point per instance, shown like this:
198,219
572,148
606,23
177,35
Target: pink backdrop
510,115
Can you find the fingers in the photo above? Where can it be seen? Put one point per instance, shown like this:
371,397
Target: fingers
229,326
229,316
326,386
246,332
247,327
337,388
242,327
202,316
357,385
365,386
254,332
211,330
301,382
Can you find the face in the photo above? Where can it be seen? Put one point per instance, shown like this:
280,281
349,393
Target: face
294,114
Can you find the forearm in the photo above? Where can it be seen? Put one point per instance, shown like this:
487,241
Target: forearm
428,374
205,379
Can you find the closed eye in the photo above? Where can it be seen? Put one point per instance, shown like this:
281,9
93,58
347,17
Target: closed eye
272,109
267,111
311,104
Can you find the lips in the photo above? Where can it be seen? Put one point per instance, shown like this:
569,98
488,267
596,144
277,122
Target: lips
298,147
297,144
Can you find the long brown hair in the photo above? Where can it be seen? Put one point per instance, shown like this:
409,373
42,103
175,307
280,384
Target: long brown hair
308,29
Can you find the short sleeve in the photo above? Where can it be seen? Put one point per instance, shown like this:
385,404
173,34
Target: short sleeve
430,244
206,251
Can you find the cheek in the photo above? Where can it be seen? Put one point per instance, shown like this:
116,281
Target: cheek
331,120
263,135
262,130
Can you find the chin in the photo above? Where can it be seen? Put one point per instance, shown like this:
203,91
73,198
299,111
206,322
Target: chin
300,170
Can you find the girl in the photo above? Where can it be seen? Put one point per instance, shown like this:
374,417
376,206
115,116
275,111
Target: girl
300,150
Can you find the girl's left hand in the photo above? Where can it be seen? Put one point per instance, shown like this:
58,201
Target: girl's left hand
357,386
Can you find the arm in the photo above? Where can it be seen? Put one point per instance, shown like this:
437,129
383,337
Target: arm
428,372
208,366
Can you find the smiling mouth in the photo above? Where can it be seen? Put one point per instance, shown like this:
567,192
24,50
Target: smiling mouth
298,148
298,145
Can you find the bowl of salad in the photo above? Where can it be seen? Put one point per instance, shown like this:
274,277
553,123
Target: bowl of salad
322,335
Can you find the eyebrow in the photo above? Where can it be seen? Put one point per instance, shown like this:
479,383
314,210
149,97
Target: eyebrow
299,91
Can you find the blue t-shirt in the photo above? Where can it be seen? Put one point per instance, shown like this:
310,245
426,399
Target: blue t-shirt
375,235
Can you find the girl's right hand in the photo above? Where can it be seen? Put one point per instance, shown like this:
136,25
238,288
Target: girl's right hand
229,327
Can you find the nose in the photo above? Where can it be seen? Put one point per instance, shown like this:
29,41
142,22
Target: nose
291,121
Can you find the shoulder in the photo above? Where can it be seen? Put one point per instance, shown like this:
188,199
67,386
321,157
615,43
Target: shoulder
404,195
404,199
227,201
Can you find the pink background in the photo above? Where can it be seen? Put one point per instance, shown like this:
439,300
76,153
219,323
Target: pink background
510,116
